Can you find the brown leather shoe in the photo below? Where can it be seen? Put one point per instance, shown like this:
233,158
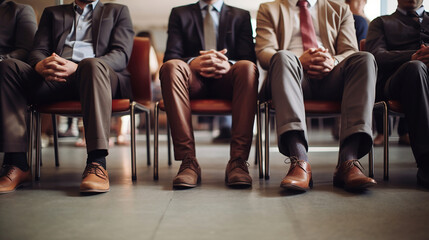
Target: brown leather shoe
349,175
94,179
298,177
189,174
237,173
12,178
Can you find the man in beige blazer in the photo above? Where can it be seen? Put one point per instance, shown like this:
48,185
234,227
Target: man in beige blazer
332,69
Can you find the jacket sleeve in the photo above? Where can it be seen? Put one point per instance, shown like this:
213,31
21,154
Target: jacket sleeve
43,44
266,39
175,42
121,41
25,28
376,43
244,46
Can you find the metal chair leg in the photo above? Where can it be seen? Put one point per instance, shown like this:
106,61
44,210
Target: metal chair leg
169,144
371,162
386,142
30,139
38,147
133,141
147,114
259,140
55,129
155,142
267,141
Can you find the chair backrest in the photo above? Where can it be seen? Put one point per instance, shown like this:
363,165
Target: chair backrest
138,67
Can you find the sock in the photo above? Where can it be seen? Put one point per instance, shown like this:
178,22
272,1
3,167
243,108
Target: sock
294,141
98,156
349,149
18,159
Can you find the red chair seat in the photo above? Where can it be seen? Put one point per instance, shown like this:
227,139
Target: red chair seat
395,106
322,106
207,106
74,107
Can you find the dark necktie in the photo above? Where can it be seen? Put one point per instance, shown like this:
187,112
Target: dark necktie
414,16
209,30
309,39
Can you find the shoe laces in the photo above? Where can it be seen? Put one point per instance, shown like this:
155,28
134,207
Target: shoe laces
7,171
354,163
188,163
94,169
240,163
295,162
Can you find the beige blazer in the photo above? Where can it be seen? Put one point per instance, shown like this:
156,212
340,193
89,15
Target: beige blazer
274,32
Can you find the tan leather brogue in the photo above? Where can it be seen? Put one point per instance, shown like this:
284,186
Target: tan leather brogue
95,179
12,177
349,175
299,176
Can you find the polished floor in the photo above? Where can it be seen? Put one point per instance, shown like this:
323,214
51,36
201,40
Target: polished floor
52,208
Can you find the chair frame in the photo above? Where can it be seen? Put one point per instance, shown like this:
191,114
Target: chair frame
266,106
157,107
127,107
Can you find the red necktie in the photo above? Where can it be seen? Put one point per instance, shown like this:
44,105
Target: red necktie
307,29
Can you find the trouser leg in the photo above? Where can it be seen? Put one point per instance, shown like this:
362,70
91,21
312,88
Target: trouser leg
409,85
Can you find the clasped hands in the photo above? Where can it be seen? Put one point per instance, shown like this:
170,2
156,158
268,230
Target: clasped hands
211,64
55,68
422,54
317,62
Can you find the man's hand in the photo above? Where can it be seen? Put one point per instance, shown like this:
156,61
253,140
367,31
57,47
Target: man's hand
55,68
211,64
422,54
317,62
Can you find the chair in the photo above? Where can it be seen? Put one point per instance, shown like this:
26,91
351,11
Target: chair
141,86
320,109
394,108
199,107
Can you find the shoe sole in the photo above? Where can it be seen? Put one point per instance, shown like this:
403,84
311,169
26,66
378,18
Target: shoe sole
238,184
355,188
294,187
184,185
94,190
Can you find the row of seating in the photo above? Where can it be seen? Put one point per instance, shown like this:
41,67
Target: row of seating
141,86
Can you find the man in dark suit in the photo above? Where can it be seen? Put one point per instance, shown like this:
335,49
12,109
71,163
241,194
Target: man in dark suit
210,54
17,28
81,52
399,44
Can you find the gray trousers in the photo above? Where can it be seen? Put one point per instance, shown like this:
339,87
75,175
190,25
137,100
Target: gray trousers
352,82
94,84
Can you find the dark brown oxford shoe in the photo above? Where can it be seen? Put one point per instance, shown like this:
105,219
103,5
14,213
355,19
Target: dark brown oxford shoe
189,175
237,173
349,175
12,177
299,176
94,179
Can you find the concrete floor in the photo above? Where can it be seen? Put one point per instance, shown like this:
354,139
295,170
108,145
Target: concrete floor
53,208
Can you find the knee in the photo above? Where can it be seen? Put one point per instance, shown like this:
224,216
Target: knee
246,71
90,64
283,57
417,74
6,65
171,68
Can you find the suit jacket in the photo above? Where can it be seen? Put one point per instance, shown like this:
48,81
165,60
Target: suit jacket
392,39
186,33
274,30
17,28
112,36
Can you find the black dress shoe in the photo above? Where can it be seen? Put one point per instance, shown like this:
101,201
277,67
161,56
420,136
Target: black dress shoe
423,177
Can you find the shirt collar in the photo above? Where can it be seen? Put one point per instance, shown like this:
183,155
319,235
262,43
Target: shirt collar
310,2
419,11
75,6
217,5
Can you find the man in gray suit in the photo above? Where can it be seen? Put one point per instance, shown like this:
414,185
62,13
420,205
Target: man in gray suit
81,52
313,56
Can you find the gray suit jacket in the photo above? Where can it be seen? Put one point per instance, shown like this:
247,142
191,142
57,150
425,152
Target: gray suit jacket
112,34
17,28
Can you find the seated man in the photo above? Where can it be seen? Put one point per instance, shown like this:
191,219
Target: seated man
399,44
81,52
210,54
312,56
17,28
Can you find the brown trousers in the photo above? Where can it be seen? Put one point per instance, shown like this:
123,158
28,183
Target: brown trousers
179,85
94,83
